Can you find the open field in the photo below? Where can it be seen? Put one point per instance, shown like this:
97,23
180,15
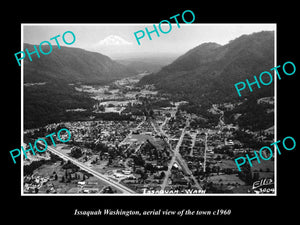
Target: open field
226,179
263,166
65,187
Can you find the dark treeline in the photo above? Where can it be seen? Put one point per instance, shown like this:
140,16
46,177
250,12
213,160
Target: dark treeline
254,116
48,103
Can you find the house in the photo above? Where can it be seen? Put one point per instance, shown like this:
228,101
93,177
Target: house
179,180
229,142
81,183
118,175
90,190
126,172
91,183
175,165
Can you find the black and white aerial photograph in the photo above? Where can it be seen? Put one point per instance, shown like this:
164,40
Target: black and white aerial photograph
158,115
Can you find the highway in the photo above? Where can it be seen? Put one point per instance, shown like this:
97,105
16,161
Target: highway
93,172
178,158
175,152
185,167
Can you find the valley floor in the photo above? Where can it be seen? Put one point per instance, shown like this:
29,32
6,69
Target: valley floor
160,148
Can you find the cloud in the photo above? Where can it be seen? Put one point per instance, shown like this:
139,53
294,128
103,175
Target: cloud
113,40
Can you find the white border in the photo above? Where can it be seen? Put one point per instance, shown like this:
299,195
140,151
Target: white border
153,195
275,110
22,111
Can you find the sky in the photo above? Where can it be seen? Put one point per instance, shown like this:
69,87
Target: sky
118,40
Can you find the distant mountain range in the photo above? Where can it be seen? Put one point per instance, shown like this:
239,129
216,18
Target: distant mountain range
140,66
209,71
151,64
73,65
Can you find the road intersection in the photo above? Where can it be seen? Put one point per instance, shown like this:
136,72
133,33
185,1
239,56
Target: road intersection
100,176
178,158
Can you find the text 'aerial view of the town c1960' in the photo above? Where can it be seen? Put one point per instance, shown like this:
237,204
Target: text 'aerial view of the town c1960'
159,118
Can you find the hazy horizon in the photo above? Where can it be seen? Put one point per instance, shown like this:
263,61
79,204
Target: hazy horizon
118,41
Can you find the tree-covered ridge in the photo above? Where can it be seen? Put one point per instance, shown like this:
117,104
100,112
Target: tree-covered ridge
209,71
73,65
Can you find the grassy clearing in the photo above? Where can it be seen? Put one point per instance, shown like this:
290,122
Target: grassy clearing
226,179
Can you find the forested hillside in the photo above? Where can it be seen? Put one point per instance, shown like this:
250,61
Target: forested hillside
208,72
48,102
